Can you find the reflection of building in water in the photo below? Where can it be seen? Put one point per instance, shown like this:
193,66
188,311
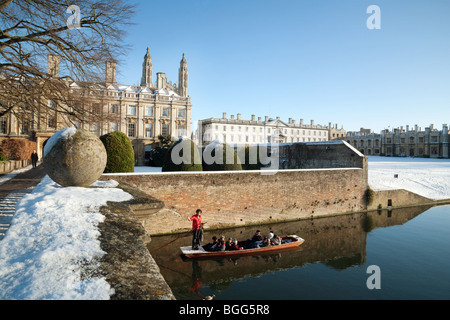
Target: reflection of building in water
339,242
409,142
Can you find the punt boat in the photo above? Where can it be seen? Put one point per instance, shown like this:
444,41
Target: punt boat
287,242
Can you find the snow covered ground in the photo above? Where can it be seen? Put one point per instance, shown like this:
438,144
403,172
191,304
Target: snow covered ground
53,243
53,240
427,177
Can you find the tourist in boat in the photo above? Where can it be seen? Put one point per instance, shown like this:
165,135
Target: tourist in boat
221,245
276,240
255,242
212,245
268,240
197,229
236,246
229,244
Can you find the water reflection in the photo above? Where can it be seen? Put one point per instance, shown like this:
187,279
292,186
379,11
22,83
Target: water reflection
338,242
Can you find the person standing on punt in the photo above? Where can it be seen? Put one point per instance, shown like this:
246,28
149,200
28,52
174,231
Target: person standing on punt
197,229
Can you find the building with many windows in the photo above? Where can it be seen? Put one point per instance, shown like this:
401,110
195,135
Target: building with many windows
143,112
403,142
235,130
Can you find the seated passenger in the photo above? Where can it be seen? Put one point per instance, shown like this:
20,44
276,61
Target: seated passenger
268,239
220,244
211,246
229,244
276,240
236,246
257,237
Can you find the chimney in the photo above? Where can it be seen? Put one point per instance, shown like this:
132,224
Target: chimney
312,122
290,120
266,119
224,115
253,117
232,117
53,65
239,116
301,122
160,80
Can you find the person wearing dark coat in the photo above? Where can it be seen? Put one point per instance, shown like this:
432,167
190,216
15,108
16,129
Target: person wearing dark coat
34,159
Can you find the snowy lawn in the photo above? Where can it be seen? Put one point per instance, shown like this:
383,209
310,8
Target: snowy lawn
427,177
53,243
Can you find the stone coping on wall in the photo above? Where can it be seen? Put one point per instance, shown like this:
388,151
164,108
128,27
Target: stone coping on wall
263,172
128,266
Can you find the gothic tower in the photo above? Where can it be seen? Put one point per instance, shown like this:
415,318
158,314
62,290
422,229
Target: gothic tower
147,71
183,78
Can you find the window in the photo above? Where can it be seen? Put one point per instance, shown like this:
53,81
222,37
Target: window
149,111
114,108
181,130
132,110
113,126
3,125
181,113
52,121
131,129
148,130
165,130
165,112
25,126
95,128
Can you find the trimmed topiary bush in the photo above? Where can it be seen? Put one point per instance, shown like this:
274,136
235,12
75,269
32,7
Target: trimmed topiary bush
225,160
120,152
183,155
252,159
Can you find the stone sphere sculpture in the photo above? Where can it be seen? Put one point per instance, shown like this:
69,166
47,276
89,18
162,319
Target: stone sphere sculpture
74,158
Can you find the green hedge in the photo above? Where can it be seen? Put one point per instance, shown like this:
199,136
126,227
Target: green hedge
220,163
120,152
254,152
176,153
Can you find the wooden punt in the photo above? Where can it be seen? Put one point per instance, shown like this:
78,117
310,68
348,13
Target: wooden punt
288,242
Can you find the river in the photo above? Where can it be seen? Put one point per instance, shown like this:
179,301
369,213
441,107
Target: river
398,254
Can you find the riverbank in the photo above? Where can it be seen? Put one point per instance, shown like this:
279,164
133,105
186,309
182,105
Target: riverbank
60,237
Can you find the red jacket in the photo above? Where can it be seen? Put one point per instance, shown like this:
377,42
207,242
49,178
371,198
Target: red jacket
196,222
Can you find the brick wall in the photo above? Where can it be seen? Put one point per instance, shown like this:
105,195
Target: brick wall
247,197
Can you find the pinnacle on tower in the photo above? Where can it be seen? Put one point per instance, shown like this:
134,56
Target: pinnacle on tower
183,77
147,70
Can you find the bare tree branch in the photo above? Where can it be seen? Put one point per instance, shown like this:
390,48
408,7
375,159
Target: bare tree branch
30,30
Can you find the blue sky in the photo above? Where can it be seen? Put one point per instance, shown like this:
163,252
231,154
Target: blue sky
312,60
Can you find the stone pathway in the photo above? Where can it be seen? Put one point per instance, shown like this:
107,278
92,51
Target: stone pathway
12,191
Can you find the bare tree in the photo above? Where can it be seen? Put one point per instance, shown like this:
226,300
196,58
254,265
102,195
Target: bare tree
81,38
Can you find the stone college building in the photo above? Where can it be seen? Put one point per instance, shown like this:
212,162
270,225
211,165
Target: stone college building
143,112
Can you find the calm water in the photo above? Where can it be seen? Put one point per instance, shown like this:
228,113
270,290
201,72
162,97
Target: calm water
410,246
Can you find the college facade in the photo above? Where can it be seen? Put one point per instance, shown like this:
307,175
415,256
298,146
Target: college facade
143,112
236,131
403,142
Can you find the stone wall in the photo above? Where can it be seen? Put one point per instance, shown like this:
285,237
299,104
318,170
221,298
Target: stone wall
397,198
316,155
9,166
237,198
